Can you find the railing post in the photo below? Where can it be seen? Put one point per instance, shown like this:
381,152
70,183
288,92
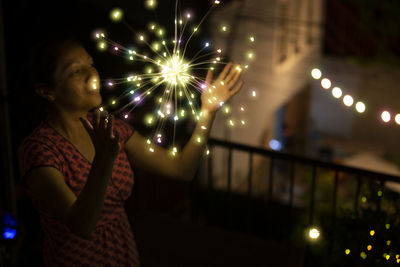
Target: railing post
229,185
333,214
271,179
380,197
249,175
210,170
249,191
358,189
313,182
291,191
229,188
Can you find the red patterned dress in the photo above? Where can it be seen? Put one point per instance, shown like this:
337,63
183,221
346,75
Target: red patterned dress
112,241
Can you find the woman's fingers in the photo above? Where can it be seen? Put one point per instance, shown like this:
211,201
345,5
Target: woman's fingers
224,72
236,89
103,120
232,73
209,78
110,126
235,77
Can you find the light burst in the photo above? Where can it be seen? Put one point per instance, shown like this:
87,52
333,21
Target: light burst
170,74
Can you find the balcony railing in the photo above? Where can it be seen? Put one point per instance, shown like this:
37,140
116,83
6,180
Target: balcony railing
329,190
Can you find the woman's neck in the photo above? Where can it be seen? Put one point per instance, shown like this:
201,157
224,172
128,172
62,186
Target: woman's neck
67,123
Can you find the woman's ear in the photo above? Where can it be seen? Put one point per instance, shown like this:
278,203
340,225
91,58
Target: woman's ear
44,91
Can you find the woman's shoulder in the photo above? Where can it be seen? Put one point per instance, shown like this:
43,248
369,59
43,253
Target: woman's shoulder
41,134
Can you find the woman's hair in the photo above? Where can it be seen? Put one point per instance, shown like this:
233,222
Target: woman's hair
45,57
42,65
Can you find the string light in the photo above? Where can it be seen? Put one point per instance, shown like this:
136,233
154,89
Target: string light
316,74
326,83
169,72
397,118
116,14
385,116
363,255
360,107
151,4
348,100
314,233
336,92
372,232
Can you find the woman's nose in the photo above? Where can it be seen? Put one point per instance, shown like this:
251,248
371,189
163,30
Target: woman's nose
93,79
90,71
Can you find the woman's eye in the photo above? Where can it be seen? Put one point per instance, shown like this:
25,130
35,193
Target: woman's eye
75,71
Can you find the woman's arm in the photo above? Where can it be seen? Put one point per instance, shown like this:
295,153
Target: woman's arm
81,214
184,164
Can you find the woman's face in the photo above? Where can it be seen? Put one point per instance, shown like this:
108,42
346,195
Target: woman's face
76,80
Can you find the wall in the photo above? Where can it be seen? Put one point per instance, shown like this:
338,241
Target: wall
288,43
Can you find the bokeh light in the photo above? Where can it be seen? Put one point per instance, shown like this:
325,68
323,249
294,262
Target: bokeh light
314,233
316,74
116,14
337,92
275,145
348,100
397,119
151,4
385,116
326,83
360,107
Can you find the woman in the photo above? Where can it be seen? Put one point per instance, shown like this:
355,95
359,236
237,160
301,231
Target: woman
76,165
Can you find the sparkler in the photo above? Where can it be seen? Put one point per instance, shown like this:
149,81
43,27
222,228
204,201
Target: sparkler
171,74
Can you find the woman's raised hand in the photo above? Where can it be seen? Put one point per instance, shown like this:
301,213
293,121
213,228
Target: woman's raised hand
106,144
222,89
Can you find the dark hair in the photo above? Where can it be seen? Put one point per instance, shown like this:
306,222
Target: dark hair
44,59
41,69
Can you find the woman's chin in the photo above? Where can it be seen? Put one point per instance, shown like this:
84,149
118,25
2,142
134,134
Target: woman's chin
96,102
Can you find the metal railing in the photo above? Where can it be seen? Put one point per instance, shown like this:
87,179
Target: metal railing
340,173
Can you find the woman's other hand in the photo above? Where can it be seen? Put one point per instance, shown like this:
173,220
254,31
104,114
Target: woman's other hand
222,89
106,144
